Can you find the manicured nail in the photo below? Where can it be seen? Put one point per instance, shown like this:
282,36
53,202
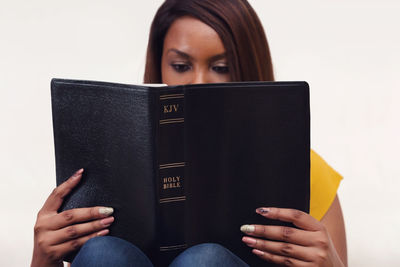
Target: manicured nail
106,211
103,232
258,252
262,210
107,221
249,241
247,228
77,174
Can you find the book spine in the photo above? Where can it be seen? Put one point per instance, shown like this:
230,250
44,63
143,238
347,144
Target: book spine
171,159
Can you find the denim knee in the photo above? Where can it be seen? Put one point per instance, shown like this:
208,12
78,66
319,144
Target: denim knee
207,254
209,250
98,245
110,251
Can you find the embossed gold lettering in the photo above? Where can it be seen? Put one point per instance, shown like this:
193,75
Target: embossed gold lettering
171,182
171,108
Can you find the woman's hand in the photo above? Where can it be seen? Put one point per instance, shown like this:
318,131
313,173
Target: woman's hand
311,245
57,234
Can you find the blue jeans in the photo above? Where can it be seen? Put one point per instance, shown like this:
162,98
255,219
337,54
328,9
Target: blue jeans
112,251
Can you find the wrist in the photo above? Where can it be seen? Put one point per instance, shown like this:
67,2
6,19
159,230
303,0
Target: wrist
38,261
338,261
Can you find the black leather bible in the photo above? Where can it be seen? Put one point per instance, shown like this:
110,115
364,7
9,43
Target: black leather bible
184,165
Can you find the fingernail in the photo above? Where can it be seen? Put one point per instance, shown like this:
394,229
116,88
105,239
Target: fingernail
262,210
77,174
107,221
249,240
247,228
103,232
258,252
106,211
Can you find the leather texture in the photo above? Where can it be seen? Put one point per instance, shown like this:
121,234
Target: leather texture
242,145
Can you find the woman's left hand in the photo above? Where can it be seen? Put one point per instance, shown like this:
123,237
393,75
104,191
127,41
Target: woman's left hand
310,245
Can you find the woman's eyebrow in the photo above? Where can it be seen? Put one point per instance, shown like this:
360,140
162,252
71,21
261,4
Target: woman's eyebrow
187,56
217,57
180,53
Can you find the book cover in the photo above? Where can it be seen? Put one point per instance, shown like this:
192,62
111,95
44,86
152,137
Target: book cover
184,165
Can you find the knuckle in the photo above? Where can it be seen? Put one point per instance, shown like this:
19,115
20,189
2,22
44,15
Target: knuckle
287,262
71,231
75,245
322,243
57,193
268,257
261,245
286,233
276,212
53,255
286,249
297,214
42,244
68,215
261,229
272,258
37,228
322,256
96,225
54,192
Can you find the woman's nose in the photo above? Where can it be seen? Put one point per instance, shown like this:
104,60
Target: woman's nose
199,77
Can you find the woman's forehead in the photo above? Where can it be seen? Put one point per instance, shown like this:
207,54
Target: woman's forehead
193,37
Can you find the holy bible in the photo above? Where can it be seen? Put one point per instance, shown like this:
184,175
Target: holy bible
184,165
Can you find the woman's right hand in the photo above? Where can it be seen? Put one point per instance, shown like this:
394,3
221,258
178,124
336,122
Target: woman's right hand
57,234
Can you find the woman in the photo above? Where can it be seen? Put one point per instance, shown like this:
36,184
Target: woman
204,41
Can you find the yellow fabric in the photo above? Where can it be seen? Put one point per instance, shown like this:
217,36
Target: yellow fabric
324,182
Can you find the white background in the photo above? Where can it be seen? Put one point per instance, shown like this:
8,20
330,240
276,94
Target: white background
348,51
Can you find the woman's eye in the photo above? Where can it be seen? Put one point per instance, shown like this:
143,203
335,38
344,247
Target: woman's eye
221,69
180,67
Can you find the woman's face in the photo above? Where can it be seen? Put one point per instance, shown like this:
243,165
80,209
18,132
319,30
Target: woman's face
193,53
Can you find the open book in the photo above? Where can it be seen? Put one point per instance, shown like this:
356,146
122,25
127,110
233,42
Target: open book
183,165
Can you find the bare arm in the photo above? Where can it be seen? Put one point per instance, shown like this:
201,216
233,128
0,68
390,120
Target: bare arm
334,223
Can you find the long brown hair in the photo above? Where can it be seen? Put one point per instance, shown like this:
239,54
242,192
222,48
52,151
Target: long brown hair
236,23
